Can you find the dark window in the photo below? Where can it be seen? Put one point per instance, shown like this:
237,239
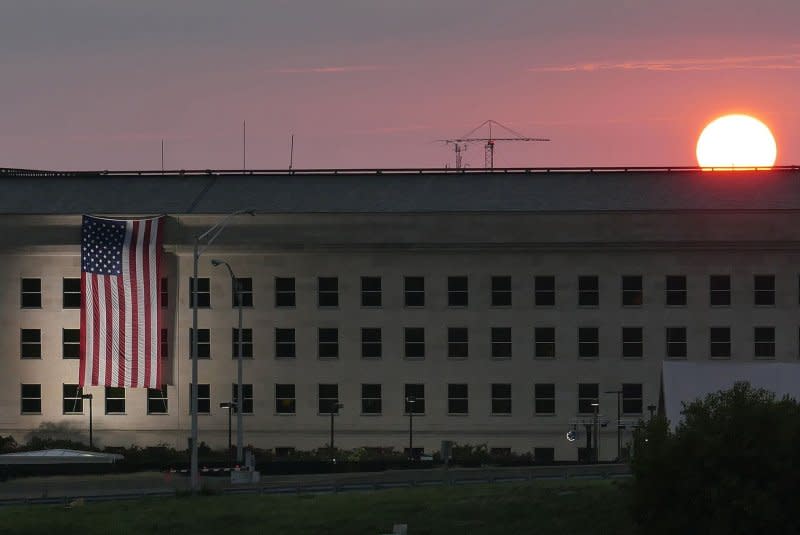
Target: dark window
720,342
71,400
457,291
588,342
284,343
631,398
501,398
115,400
203,343
676,342
764,290
164,343
203,399
328,291
284,292
71,343
457,399
247,397
328,343
632,294
588,291
203,292
632,343
764,342
414,291
31,399
247,343
501,291
371,347
501,342
543,455
720,290
31,295
245,290
371,399
544,395
415,342
457,342
327,398
675,290
284,451
164,294
414,398
71,295
31,343
285,401
157,402
588,393
544,291
544,342
371,292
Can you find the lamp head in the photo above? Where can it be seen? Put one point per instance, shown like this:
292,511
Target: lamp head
215,262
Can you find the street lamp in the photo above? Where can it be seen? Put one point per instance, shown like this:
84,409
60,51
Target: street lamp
238,289
596,406
619,424
410,400
230,406
208,238
334,409
91,438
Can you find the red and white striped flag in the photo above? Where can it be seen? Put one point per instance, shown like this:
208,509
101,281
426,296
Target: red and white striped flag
120,313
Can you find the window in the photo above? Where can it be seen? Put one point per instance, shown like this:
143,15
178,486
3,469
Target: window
632,344
764,290
203,398
371,295
544,291
164,343
632,294
164,292
501,291
115,400
247,343
764,342
71,294
157,402
328,291
544,344
501,342
285,402
32,293
415,342
328,343
588,393
414,398
284,292
501,398
284,451
457,342
72,402
245,290
720,290
588,291
203,292
720,338
676,342
31,343
284,344
327,398
457,399
71,343
675,290
247,397
371,347
544,396
588,342
631,398
203,343
457,291
31,399
414,291
371,399
544,455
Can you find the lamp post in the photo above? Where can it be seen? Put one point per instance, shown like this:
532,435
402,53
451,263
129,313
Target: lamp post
230,406
91,438
410,400
335,406
619,424
207,238
239,411
596,406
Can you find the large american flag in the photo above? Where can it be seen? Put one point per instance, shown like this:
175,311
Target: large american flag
120,313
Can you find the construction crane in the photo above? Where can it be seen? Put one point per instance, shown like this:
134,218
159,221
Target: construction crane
460,144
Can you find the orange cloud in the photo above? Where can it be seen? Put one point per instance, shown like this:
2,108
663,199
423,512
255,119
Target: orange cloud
766,62
335,69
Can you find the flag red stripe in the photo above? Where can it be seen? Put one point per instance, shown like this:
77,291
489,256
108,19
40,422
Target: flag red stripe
147,304
121,348
134,306
95,330
109,319
159,315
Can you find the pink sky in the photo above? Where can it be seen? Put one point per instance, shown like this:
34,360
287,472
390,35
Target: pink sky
93,84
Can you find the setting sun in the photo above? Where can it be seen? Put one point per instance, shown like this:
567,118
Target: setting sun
736,141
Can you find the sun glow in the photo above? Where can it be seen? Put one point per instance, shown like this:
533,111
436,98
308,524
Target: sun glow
736,142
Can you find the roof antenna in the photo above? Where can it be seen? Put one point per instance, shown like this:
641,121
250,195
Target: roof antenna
162,155
244,146
291,152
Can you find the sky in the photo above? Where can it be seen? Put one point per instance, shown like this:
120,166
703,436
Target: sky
98,84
